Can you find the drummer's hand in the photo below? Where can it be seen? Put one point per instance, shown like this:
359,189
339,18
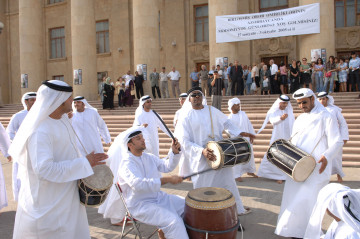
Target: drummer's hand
70,114
96,159
284,116
324,163
174,179
145,125
208,153
175,146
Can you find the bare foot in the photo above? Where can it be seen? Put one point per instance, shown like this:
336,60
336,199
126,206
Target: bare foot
161,234
339,178
279,181
239,179
253,175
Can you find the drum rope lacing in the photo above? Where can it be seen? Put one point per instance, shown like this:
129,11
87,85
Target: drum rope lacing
214,232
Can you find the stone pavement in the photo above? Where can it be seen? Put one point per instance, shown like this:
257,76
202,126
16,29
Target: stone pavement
262,195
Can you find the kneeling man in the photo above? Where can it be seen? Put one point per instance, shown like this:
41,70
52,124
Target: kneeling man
140,180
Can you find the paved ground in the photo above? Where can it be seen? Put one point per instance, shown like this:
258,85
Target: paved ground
263,196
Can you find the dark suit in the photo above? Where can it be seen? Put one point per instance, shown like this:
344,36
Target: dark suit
236,74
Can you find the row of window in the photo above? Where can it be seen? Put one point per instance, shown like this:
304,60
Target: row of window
57,40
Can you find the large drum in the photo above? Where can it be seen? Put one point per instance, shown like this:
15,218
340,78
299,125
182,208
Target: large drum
291,160
211,213
229,152
94,189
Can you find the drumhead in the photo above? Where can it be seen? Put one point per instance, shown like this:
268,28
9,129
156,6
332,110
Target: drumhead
101,179
210,198
303,168
218,152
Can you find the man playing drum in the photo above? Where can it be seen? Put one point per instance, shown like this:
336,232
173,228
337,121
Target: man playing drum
140,180
49,167
240,120
197,125
315,132
282,118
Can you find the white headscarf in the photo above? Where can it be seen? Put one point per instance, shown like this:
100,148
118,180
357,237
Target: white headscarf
306,93
275,107
232,102
82,99
186,107
47,101
331,100
26,96
340,200
140,108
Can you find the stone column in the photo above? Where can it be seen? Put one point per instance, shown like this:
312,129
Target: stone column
83,47
31,35
146,37
326,37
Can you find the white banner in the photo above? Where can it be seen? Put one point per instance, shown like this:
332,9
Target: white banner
286,22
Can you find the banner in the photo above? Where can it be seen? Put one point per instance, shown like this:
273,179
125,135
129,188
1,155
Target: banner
286,22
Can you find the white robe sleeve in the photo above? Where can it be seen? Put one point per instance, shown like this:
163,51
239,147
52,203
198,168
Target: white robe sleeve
344,130
103,129
42,161
4,141
133,177
275,119
250,126
11,128
137,120
166,166
231,128
333,137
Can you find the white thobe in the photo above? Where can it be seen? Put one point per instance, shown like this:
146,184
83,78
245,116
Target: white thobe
12,128
193,132
241,121
49,204
4,147
281,130
139,179
89,126
340,230
153,124
344,132
316,133
176,117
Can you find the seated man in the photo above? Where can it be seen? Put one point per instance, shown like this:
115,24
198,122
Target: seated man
140,180
342,204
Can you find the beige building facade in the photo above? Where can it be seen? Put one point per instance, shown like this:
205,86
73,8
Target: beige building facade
49,39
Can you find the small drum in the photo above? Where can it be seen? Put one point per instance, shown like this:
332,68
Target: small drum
229,152
94,189
211,213
291,160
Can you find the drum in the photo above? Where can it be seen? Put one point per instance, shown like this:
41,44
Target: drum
94,189
211,213
291,160
229,152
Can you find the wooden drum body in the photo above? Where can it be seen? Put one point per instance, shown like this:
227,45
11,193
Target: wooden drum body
291,160
229,152
93,190
211,213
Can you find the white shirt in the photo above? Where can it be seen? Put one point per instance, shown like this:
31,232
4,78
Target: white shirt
163,76
15,123
273,69
174,75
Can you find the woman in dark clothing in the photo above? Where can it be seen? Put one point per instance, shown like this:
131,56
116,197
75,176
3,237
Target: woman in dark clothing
294,77
128,97
108,94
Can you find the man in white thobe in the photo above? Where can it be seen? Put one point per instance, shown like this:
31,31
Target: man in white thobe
341,203
328,102
27,100
146,117
4,146
240,120
315,132
182,99
197,125
140,180
282,118
49,167
89,126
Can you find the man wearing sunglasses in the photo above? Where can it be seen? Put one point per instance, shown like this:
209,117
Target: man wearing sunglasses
317,133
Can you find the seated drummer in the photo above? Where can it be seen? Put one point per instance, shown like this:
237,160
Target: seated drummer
140,180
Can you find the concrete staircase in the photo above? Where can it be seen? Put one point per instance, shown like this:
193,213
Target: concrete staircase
255,107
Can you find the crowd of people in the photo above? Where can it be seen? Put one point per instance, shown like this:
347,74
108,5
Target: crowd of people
45,177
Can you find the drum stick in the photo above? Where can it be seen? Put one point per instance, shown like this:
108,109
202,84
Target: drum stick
193,174
167,129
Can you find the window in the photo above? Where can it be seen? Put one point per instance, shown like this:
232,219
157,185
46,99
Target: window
201,23
270,5
102,37
57,43
347,13
54,1
58,78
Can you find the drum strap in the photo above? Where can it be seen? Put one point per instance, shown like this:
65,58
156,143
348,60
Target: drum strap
78,139
212,136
